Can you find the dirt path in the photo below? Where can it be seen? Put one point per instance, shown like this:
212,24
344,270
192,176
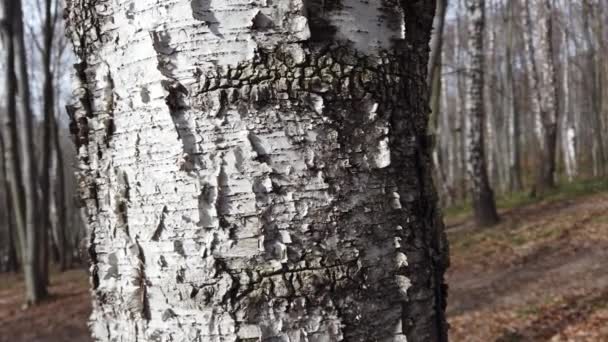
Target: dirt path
541,275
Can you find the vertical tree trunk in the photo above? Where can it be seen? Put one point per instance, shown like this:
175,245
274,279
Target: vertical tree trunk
259,172
434,81
13,256
481,194
542,78
515,177
460,105
12,264
568,125
23,184
60,202
448,142
35,231
47,145
593,63
489,104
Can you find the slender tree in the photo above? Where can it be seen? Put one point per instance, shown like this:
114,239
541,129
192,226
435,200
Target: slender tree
434,80
514,130
22,170
568,126
482,195
258,173
12,264
593,65
50,15
542,79
64,248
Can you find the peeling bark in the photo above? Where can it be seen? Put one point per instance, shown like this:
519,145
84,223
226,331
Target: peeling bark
258,172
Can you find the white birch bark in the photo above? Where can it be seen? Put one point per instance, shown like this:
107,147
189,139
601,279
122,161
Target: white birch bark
568,129
255,170
482,195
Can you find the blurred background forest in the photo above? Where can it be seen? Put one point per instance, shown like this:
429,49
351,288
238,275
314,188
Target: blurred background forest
535,270
579,43
47,66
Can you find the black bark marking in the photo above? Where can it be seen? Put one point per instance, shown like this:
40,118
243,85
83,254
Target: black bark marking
258,147
178,248
161,41
122,199
130,12
109,107
316,11
176,99
168,314
113,269
201,10
143,282
261,22
145,95
161,225
222,204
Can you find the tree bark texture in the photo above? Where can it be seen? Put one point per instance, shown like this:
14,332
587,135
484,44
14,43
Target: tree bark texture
257,170
482,195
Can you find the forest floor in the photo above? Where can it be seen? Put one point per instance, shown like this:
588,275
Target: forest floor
540,275
61,318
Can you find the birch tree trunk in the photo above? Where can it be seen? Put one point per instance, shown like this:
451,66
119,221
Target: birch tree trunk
434,80
568,126
258,171
482,195
542,78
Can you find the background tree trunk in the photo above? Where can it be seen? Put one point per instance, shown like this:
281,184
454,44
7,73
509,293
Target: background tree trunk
594,89
258,173
47,139
60,203
23,184
12,263
542,78
515,177
434,80
568,122
482,195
